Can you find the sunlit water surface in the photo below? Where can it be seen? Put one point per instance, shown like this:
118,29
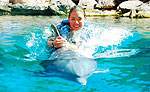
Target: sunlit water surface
121,45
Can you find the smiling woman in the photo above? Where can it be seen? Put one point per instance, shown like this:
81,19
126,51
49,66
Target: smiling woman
76,18
76,21
70,39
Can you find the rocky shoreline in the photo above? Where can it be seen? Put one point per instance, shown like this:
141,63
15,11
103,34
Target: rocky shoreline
122,8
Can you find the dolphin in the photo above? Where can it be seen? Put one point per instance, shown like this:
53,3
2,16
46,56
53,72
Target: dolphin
72,63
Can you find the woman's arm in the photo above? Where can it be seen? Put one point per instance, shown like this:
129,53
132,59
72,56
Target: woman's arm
61,42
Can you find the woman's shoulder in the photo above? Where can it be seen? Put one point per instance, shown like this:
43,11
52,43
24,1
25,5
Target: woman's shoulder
64,28
64,23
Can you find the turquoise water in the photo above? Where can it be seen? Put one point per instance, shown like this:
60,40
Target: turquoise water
122,47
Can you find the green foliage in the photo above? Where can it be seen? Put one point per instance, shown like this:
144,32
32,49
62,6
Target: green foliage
22,11
2,12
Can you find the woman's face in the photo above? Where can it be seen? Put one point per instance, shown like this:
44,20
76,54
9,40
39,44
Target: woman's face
76,20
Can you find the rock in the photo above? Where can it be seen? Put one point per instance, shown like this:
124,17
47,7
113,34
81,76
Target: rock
105,4
24,9
132,8
144,7
61,6
129,8
143,14
32,7
130,4
87,4
30,2
135,9
4,9
144,11
4,5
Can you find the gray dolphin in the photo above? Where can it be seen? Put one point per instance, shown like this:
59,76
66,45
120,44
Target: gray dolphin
72,63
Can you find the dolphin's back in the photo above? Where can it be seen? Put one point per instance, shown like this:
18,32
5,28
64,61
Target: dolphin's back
71,62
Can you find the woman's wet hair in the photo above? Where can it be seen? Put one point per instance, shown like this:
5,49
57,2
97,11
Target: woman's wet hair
77,8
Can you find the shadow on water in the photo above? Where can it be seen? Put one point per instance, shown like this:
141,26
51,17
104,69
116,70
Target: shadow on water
52,73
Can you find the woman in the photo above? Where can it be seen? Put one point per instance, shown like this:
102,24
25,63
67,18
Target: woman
65,58
76,22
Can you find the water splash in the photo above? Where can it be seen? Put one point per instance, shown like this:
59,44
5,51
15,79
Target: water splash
102,42
36,42
105,42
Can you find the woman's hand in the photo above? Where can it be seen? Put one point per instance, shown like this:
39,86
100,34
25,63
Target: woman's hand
59,42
